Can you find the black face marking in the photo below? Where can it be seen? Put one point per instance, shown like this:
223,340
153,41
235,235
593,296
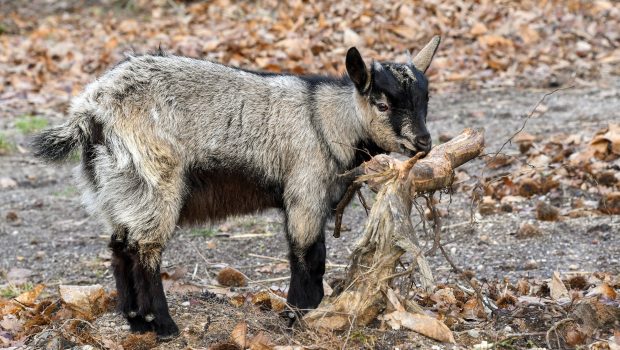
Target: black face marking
406,90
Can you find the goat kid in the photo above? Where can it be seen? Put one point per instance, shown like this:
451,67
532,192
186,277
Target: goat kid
170,140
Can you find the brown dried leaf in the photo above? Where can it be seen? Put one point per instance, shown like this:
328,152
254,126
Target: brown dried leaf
261,341
239,334
87,301
423,324
557,288
28,298
604,290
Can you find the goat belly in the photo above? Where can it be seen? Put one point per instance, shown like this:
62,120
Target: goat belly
216,195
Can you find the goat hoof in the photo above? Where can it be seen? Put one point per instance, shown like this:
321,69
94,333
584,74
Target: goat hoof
289,317
139,325
132,314
167,331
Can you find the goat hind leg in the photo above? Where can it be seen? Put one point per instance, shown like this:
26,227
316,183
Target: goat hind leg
122,266
151,299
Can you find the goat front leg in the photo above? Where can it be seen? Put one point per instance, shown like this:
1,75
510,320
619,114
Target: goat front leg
307,257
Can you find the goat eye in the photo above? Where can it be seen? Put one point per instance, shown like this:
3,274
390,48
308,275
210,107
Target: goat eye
382,107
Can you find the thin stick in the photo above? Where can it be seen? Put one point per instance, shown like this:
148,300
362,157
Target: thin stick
529,116
362,200
268,257
276,279
554,328
346,199
344,346
203,258
328,264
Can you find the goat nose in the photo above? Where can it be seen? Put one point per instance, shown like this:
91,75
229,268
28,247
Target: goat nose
423,142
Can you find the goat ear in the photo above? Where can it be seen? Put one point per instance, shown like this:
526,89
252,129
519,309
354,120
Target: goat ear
356,68
423,59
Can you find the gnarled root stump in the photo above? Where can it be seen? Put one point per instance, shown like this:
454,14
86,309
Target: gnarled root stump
389,232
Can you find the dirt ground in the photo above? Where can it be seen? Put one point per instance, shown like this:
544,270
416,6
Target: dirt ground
56,239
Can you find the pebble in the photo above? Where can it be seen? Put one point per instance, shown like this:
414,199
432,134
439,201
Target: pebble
531,265
474,333
125,327
583,48
7,183
185,303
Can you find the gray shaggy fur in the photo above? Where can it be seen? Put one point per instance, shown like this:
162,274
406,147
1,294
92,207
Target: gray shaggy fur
168,140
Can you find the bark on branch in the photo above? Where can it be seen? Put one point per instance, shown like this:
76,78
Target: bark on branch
389,233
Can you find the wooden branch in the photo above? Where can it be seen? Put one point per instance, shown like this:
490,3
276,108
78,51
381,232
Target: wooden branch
433,172
389,233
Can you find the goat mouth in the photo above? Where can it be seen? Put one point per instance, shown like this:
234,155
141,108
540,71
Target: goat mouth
407,149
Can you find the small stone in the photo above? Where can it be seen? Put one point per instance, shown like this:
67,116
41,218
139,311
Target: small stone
185,303
573,267
530,265
6,183
125,327
583,48
508,329
474,333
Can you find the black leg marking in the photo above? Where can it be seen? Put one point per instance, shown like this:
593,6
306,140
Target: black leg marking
307,270
127,297
151,299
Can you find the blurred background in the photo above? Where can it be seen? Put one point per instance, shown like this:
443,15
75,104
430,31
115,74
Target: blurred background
49,49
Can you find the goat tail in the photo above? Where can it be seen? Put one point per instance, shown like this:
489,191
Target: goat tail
56,143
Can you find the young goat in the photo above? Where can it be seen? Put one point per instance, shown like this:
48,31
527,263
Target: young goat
168,140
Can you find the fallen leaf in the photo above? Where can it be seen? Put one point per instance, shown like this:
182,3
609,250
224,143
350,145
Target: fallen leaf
604,290
239,334
28,298
261,342
557,288
11,323
423,324
88,301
